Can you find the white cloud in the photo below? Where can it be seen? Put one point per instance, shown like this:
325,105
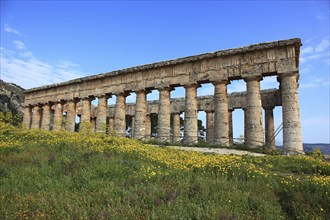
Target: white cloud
320,17
8,29
23,68
322,46
321,120
306,69
317,51
315,82
19,45
307,50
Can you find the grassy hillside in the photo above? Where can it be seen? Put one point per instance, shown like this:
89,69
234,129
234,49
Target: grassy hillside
58,175
11,98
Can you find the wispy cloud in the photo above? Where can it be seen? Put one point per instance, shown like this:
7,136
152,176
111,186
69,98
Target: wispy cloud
20,66
315,82
316,51
318,120
320,17
324,45
11,30
19,45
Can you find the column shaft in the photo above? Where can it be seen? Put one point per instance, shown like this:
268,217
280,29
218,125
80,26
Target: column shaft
140,115
292,139
71,116
111,124
190,118
120,112
269,128
45,121
148,127
101,114
164,115
209,127
27,117
245,130
221,125
176,127
254,129
86,110
58,115
132,125
36,117
230,122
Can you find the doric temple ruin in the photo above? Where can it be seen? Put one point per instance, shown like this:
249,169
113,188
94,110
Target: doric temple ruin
47,105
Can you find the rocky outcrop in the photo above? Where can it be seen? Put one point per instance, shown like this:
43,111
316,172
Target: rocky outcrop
11,98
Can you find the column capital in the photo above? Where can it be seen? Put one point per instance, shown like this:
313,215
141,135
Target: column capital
106,96
287,74
87,98
124,94
61,101
252,78
231,109
46,105
167,88
75,100
268,107
209,111
37,105
191,85
145,91
176,113
221,81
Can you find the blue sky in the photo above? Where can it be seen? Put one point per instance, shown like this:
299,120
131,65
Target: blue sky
44,42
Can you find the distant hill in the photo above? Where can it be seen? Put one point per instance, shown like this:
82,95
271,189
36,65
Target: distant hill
11,98
325,148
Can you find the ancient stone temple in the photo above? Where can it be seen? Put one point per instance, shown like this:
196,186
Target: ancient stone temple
46,106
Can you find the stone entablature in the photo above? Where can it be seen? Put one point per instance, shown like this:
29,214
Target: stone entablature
251,63
256,60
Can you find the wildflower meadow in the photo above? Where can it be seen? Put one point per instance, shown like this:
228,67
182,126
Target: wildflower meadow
61,175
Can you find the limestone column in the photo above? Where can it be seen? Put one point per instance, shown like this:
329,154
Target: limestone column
45,121
139,131
148,126
292,139
164,115
245,130
190,118
111,124
36,117
132,125
86,110
102,114
120,112
254,129
176,127
93,122
221,125
71,115
209,127
58,115
269,128
27,117
230,122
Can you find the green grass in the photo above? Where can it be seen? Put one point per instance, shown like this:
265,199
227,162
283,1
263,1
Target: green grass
42,178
